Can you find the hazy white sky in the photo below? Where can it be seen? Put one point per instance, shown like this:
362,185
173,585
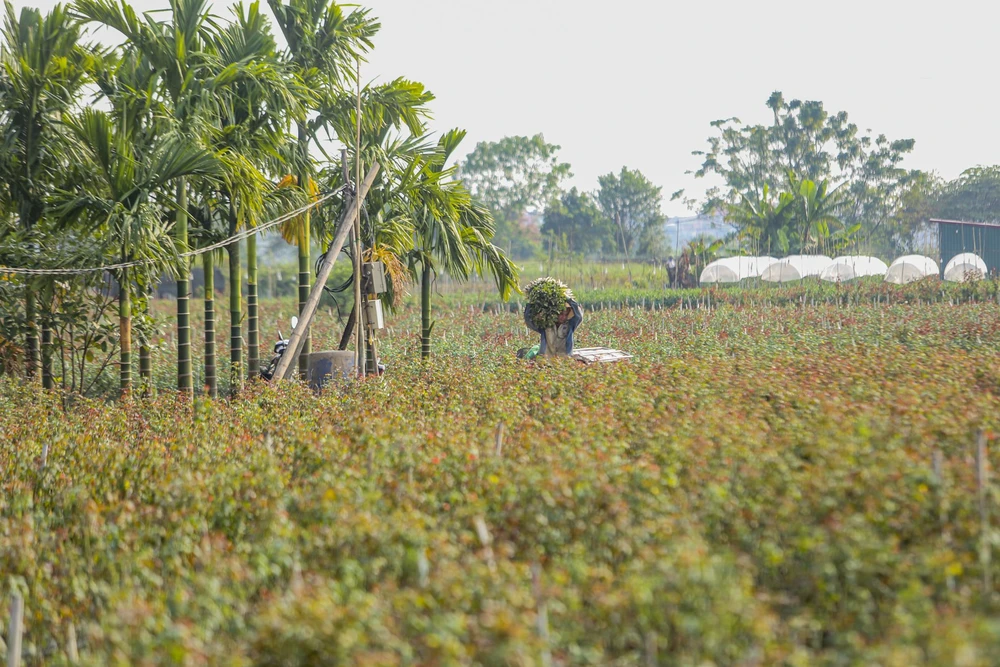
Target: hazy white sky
637,82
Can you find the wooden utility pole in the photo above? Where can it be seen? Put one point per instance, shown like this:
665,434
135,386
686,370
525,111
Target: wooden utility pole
360,321
618,218
309,308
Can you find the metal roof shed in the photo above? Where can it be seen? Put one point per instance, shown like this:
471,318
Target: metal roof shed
982,238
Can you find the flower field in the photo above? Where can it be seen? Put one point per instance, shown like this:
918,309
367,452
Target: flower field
793,483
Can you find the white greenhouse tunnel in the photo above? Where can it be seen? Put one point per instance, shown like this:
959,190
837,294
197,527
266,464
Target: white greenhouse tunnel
911,268
849,267
734,269
965,266
795,267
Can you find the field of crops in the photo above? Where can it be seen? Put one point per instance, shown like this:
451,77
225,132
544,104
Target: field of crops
789,483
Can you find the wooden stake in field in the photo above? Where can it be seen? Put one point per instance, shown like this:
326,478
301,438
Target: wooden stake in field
982,485
14,630
498,441
358,296
542,613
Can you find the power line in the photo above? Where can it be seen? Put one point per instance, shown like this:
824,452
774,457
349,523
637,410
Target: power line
19,270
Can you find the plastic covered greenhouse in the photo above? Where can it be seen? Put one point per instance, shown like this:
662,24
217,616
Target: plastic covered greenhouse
965,266
734,269
795,267
849,267
910,268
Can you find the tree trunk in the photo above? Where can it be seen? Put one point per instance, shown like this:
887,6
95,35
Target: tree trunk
211,379
235,319
345,339
425,312
48,382
184,380
31,342
253,326
145,355
304,236
125,322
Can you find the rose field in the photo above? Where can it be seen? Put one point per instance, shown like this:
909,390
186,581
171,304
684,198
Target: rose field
793,481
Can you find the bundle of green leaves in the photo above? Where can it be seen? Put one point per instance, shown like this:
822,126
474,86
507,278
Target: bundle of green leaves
547,298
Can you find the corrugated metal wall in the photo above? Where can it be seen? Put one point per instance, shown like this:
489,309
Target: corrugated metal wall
984,240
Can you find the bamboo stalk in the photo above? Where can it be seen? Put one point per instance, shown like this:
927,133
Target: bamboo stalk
184,379
145,354
211,377
14,630
125,322
31,340
253,325
304,239
358,297
235,319
982,487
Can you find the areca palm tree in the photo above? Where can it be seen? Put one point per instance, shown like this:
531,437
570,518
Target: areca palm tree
323,41
41,72
129,84
452,232
175,50
393,135
249,132
120,203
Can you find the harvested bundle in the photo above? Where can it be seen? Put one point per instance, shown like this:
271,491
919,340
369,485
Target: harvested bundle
547,298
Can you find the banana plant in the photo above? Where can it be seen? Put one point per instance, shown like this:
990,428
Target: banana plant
815,211
765,220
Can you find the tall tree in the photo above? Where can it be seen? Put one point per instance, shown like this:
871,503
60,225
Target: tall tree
451,231
323,41
175,49
248,131
632,203
119,204
764,221
513,176
974,196
42,72
576,218
815,145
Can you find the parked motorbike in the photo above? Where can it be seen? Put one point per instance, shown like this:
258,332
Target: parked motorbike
267,372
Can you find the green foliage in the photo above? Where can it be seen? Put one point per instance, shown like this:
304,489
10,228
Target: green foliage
547,298
511,177
757,484
631,203
974,196
575,222
806,140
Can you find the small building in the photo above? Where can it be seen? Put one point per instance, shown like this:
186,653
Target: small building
980,238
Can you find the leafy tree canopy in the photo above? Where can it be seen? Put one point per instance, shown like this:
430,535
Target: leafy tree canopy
974,196
632,203
576,222
806,143
515,174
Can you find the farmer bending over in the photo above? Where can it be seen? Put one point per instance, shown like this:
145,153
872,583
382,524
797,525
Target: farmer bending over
558,338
